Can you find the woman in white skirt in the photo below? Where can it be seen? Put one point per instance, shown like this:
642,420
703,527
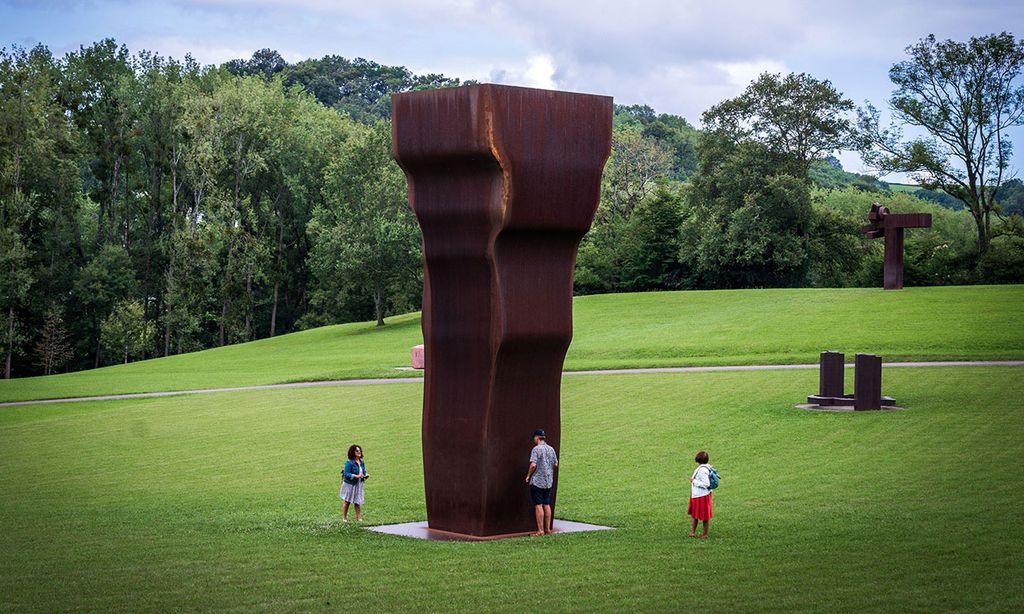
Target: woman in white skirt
352,484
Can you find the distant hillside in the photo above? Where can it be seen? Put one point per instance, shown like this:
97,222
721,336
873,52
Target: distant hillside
673,131
360,88
829,174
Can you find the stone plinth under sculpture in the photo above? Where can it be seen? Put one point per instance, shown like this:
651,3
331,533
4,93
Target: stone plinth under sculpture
504,182
891,226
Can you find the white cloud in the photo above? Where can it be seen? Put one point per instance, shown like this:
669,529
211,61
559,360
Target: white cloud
742,73
540,71
537,71
204,53
679,56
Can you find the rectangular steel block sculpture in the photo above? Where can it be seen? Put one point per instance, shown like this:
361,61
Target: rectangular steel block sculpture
504,182
867,382
831,374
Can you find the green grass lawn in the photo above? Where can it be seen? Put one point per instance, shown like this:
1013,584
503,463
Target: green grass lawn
779,326
229,501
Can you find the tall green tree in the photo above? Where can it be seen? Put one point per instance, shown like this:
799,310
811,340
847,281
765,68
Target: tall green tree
638,254
311,137
651,245
126,332
748,220
97,89
106,280
14,286
836,248
232,133
965,96
795,115
635,165
750,211
163,86
365,238
53,350
192,272
265,63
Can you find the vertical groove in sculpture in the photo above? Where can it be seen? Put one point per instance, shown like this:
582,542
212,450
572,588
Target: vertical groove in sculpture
504,182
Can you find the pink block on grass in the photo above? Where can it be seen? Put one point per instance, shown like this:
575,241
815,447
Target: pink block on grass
417,357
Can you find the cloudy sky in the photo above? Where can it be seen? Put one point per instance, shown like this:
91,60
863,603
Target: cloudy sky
679,56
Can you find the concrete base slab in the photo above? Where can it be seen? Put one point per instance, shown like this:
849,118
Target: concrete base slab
846,408
420,530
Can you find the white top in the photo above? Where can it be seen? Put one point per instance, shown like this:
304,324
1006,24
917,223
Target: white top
700,481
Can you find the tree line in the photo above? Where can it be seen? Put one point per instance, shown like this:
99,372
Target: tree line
151,206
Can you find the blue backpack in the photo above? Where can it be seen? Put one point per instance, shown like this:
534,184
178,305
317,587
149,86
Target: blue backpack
713,478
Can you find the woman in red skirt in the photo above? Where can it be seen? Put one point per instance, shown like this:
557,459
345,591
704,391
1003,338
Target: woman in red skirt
700,494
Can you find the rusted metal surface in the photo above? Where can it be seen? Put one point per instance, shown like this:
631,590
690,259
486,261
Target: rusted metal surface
891,227
867,382
504,182
830,378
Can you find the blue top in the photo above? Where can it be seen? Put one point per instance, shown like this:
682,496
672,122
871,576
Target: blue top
352,470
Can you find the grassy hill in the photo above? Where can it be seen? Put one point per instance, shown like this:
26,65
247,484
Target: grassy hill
829,177
903,187
229,501
776,326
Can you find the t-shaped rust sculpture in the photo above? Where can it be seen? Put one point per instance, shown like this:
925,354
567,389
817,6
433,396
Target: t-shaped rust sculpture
504,182
890,226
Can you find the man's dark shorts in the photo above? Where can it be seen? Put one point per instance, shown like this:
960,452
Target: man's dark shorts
540,496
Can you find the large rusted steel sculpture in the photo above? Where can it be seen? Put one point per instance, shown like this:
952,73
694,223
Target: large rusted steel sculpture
504,182
891,226
867,383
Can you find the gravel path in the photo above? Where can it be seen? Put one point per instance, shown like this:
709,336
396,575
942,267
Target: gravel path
409,380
